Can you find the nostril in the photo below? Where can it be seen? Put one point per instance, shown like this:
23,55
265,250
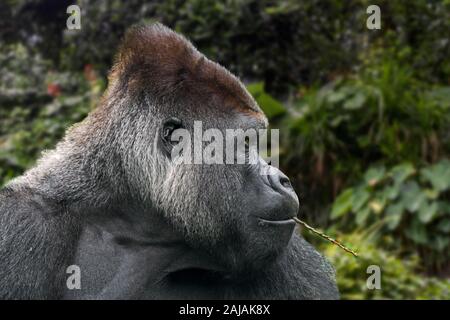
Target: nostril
279,181
285,182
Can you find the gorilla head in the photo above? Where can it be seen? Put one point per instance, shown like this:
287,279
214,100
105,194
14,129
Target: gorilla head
161,83
113,199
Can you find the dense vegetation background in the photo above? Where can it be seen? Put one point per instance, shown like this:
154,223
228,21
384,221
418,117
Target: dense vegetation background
364,115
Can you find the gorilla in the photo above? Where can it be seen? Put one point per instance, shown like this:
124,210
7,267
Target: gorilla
110,200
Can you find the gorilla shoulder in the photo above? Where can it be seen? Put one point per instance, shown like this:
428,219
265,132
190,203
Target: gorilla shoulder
112,198
37,241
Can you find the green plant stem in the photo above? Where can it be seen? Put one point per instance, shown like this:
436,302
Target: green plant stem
325,236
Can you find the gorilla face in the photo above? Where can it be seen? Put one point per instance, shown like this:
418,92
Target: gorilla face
238,214
232,211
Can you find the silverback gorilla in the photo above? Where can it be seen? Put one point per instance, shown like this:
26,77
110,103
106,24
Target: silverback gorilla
110,200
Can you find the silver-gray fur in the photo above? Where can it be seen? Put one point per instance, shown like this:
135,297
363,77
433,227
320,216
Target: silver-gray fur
108,198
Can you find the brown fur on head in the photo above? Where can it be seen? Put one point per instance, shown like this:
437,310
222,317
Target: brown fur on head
160,61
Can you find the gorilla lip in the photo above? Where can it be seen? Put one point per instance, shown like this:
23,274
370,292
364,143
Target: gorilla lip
276,222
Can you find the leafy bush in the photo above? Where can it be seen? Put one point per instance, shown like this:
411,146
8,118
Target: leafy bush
273,41
416,35
340,129
25,140
259,39
412,205
283,43
37,107
400,278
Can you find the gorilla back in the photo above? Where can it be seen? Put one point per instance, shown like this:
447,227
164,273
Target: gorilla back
111,200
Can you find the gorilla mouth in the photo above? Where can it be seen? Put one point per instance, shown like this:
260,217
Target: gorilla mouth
262,221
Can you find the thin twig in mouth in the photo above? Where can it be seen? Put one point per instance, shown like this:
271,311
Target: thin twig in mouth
325,236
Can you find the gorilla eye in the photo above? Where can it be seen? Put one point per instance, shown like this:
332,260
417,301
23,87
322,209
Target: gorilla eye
169,126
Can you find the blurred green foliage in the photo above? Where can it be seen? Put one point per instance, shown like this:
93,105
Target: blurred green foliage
382,114
410,204
283,43
399,276
37,105
364,115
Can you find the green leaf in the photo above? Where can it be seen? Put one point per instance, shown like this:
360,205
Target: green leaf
391,192
394,215
335,122
268,104
431,194
412,196
440,243
438,175
256,89
427,211
342,204
444,226
361,216
336,96
359,198
441,95
374,175
417,232
356,102
444,208
401,172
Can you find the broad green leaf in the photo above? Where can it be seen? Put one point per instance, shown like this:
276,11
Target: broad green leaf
412,196
391,192
417,232
438,175
431,194
342,204
336,96
374,175
268,104
401,172
444,207
440,243
355,102
394,215
441,95
444,226
427,211
338,120
361,216
256,89
359,198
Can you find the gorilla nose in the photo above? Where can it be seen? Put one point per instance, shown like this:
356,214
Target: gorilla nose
280,182
285,199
